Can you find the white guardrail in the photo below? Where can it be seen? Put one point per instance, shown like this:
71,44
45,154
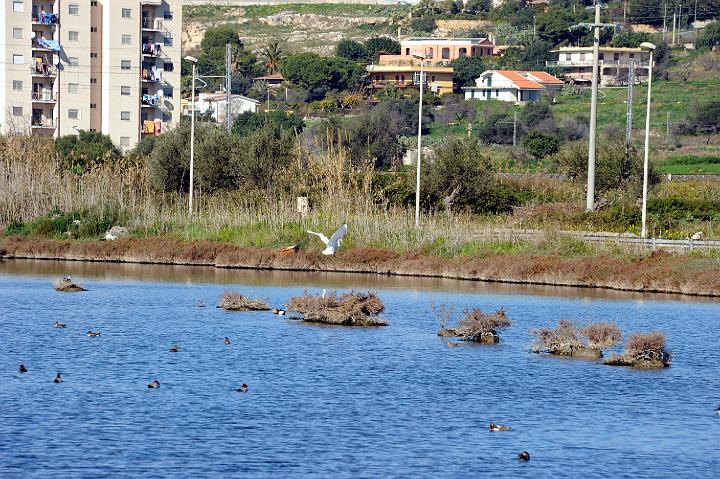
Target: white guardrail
617,238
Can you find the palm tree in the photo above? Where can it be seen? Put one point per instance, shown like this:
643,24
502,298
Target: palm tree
272,56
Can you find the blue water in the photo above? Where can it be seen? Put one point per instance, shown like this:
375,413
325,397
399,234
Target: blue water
334,402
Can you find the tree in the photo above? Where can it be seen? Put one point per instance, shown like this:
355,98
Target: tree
467,69
85,148
461,167
374,137
626,39
535,113
248,122
709,37
351,50
554,24
262,156
218,37
478,6
322,74
272,56
377,46
536,54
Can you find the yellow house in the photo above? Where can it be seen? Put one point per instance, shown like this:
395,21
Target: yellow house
406,74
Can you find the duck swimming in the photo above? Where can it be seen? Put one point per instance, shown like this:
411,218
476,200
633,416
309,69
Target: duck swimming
22,368
174,348
243,388
93,334
58,324
200,304
154,384
226,341
58,379
497,428
524,456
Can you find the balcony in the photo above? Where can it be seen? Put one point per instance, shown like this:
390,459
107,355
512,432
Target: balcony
43,97
43,69
43,18
150,76
151,101
39,42
151,50
625,63
152,24
42,123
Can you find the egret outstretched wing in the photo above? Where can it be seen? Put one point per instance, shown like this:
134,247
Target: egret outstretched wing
322,237
337,236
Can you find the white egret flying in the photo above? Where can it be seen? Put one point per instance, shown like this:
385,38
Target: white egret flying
332,244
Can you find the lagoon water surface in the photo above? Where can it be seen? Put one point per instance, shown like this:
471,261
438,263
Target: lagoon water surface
335,402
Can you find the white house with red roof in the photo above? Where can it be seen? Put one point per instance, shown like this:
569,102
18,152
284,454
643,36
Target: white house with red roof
512,85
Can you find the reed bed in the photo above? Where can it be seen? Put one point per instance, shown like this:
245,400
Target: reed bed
234,301
479,327
643,350
350,309
570,339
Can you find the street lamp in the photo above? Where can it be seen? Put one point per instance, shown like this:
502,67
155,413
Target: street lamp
420,57
646,46
193,60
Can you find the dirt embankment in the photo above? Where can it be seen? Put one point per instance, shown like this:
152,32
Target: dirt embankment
657,272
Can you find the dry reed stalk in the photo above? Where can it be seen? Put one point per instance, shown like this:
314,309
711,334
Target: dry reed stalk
643,350
480,327
234,301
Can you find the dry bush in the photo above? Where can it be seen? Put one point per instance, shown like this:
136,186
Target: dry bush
442,313
641,342
643,350
602,335
350,309
564,340
234,301
478,326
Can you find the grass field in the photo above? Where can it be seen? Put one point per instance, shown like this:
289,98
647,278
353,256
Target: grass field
691,165
195,12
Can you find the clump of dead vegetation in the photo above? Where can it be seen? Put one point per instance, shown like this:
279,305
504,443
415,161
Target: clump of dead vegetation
569,339
643,350
474,326
234,301
350,309
67,285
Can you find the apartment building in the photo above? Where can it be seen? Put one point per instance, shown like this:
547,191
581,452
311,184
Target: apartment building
576,64
101,65
403,70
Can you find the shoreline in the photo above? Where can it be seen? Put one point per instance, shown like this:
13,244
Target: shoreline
658,272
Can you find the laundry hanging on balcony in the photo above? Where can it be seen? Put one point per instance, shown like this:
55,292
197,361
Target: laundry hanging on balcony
151,100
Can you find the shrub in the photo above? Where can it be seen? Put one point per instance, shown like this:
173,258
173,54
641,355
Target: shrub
381,45
643,350
85,148
540,145
602,335
234,301
248,122
564,340
351,309
709,37
480,327
639,343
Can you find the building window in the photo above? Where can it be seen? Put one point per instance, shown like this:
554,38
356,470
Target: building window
17,33
73,88
74,9
632,55
497,93
18,59
463,52
73,61
125,64
616,56
17,111
93,29
167,41
73,113
407,52
445,53
125,115
93,106
168,15
73,36
582,57
429,53
168,66
93,54
124,90
93,3
18,7
124,141
168,92
93,81
601,56
17,85
126,39
126,13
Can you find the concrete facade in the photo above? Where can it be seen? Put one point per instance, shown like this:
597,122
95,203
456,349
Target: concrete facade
69,65
512,86
576,64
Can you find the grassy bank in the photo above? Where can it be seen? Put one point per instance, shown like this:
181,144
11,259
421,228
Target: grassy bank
694,274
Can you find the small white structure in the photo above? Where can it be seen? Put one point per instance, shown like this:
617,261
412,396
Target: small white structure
576,64
214,105
512,85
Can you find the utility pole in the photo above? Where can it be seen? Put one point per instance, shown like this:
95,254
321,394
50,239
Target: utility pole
624,11
673,32
590,200
514,128
668,125
629,114
228,87
665,23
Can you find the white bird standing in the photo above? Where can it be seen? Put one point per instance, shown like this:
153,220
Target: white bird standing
323,293
332,244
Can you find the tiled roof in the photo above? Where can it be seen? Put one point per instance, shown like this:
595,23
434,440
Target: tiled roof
520,81
545,77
